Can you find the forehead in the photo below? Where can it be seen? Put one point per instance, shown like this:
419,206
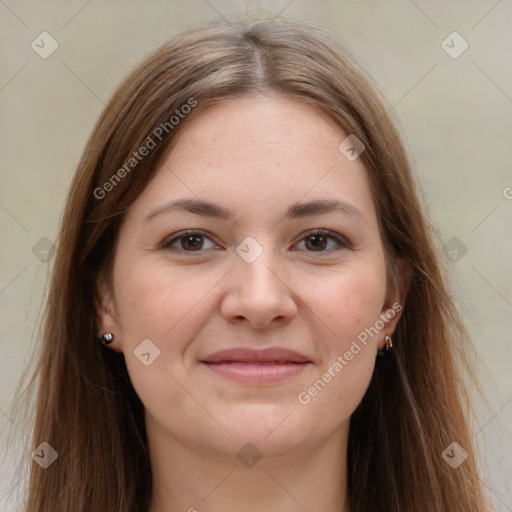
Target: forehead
260,151
271,120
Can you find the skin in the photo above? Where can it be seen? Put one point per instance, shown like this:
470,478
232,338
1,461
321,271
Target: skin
257,156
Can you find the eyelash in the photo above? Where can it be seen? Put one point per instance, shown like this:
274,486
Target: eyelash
316,232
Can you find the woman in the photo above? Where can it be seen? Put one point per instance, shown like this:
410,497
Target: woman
242,240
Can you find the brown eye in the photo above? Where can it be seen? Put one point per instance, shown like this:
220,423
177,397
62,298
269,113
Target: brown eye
187,241
318,241
191,242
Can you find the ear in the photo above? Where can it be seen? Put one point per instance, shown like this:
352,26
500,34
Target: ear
396,294
105,312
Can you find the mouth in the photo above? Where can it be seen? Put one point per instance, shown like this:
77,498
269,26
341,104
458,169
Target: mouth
257,367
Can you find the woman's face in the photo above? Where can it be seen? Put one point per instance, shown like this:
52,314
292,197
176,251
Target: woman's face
251,277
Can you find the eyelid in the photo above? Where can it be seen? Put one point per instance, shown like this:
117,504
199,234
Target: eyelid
182,234
342,241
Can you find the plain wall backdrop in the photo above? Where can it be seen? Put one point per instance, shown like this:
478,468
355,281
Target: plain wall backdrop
454,105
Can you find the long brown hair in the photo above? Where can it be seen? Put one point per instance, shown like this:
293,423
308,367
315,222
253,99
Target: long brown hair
86,408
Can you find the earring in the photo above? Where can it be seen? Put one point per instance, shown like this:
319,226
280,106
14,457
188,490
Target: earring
387,346
107,338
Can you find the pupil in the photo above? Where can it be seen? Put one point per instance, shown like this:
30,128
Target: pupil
193,237
317,238
317,241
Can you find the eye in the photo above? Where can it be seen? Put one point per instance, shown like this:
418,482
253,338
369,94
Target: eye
193,241
319,240
190,241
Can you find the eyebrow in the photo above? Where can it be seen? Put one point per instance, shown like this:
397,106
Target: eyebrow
295,211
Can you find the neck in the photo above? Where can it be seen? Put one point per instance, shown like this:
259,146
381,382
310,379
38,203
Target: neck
201,479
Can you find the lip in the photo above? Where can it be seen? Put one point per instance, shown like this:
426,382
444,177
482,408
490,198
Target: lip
248,366
246,355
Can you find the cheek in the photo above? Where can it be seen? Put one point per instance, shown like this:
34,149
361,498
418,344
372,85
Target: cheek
160,304
167,306
351,300
350,306
155,301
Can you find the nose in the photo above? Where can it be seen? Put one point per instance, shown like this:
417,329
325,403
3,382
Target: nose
259,292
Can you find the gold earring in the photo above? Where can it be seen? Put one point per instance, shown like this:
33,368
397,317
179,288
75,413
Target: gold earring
388,344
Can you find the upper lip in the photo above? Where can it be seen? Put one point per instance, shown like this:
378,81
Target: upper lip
246,355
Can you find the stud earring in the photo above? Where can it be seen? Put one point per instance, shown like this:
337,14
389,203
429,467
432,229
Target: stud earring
107,338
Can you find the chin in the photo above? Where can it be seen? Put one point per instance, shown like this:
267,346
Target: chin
276,427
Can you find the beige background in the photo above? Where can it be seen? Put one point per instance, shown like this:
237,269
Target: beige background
456,114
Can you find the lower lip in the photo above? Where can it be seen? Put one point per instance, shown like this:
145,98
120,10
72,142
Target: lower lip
253,373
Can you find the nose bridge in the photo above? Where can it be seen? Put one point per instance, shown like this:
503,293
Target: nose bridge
257,291
257,265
